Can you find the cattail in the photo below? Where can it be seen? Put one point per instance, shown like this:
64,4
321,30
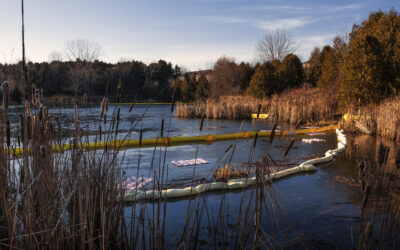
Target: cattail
201,123
271,138
230,146
140,137
118,117
380,154
105,119
162,128
255,140
5,89
298,124
106,105
290,146
37,97
74,143
40,112
258,110
27,108
33,91
102,106
84,98
118,92
45,113
387,150
172,105
397,161
100,132
131,107
8,133
29,127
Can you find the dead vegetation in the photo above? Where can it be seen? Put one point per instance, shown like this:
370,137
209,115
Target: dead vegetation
382,119
306,103
227,173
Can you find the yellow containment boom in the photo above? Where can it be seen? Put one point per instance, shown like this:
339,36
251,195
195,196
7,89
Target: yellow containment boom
168,141
260,116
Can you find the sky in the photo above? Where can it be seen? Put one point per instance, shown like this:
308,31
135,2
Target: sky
189,33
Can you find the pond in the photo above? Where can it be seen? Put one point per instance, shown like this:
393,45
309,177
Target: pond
311,210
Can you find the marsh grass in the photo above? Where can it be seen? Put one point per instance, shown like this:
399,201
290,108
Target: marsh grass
382,119
307,104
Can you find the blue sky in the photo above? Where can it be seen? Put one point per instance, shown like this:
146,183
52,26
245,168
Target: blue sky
190,33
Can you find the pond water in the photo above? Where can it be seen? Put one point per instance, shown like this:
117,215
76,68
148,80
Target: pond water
313,207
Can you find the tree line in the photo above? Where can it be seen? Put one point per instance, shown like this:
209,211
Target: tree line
363,65
97,78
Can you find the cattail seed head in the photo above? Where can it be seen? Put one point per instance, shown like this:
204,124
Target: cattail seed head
118,118
33,91
230,146
201,123
380,154
172,105
131,107
255,140
118,92
140,137
298,124
27,108
40,112
271,138
45,113
162,128
37,97
102,106
290,146
106,104
258,110
84,97
5,89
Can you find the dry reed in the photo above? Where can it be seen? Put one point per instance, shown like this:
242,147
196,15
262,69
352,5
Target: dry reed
307,104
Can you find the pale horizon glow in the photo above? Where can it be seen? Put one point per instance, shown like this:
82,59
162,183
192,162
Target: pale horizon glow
189,33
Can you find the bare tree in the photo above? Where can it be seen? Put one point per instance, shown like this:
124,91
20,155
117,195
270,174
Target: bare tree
225,77
82,49
83,52
275,45
55,56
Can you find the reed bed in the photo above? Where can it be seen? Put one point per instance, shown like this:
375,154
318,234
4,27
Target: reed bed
306,103
382,119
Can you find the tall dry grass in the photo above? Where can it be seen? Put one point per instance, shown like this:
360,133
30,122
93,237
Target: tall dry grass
55,201
382,119
306,103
